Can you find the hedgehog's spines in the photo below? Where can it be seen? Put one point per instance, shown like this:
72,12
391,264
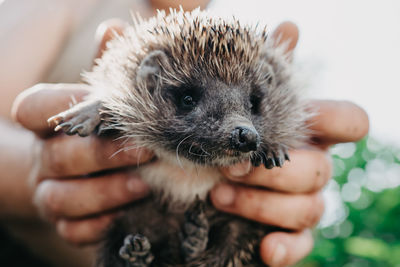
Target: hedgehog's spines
198,47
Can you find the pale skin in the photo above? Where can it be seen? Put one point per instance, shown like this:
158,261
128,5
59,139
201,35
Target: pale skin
81,208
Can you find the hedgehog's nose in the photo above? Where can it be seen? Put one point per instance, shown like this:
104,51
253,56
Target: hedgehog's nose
245,139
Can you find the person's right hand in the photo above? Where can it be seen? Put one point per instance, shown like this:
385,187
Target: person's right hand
79,183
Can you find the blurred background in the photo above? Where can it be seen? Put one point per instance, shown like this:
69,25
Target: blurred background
349,50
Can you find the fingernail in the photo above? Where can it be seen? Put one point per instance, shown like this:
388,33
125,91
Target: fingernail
224,194
239,170
279,255
136,185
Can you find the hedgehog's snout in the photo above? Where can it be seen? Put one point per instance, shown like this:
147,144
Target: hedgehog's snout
244,139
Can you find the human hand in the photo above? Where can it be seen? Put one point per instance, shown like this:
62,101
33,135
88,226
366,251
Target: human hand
292,195
79,183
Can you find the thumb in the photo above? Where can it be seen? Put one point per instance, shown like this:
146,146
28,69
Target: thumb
107,31
286,33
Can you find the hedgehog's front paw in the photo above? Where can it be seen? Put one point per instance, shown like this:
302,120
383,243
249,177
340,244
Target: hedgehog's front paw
195,231
136,251
82,118
271,157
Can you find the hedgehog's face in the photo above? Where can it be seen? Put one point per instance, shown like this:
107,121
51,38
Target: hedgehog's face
210,122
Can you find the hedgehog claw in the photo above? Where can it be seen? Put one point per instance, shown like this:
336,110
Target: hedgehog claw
136,250
57,128
281,161
281,155
269,163
75,129
271,157
82,118
65,126
256,161
195,231
279,158
101,129
285,153
56,120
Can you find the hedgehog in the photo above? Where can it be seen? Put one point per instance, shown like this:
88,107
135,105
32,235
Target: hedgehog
201,92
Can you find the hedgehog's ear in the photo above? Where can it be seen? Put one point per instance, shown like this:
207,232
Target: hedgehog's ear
150,68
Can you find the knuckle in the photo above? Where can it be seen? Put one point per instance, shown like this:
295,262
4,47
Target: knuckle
318,180
48,198
242,199
55,162
319,207
322,173
103,151
255,207
67,233
313,212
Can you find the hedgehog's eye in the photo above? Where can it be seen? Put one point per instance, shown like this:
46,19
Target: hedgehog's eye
255,101
185,97
187,102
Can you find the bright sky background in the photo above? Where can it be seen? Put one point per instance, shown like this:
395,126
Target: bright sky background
347,50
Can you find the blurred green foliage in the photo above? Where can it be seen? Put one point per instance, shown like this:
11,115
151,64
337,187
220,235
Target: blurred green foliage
369,233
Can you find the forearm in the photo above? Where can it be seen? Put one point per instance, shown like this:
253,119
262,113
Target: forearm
15,164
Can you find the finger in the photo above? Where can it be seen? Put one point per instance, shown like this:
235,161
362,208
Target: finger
286,33
307,171
338,122
284,210
84,231
35,105
285,249
107,31
83,197
64,155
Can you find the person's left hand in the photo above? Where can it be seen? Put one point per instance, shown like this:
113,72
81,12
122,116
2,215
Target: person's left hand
290,197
